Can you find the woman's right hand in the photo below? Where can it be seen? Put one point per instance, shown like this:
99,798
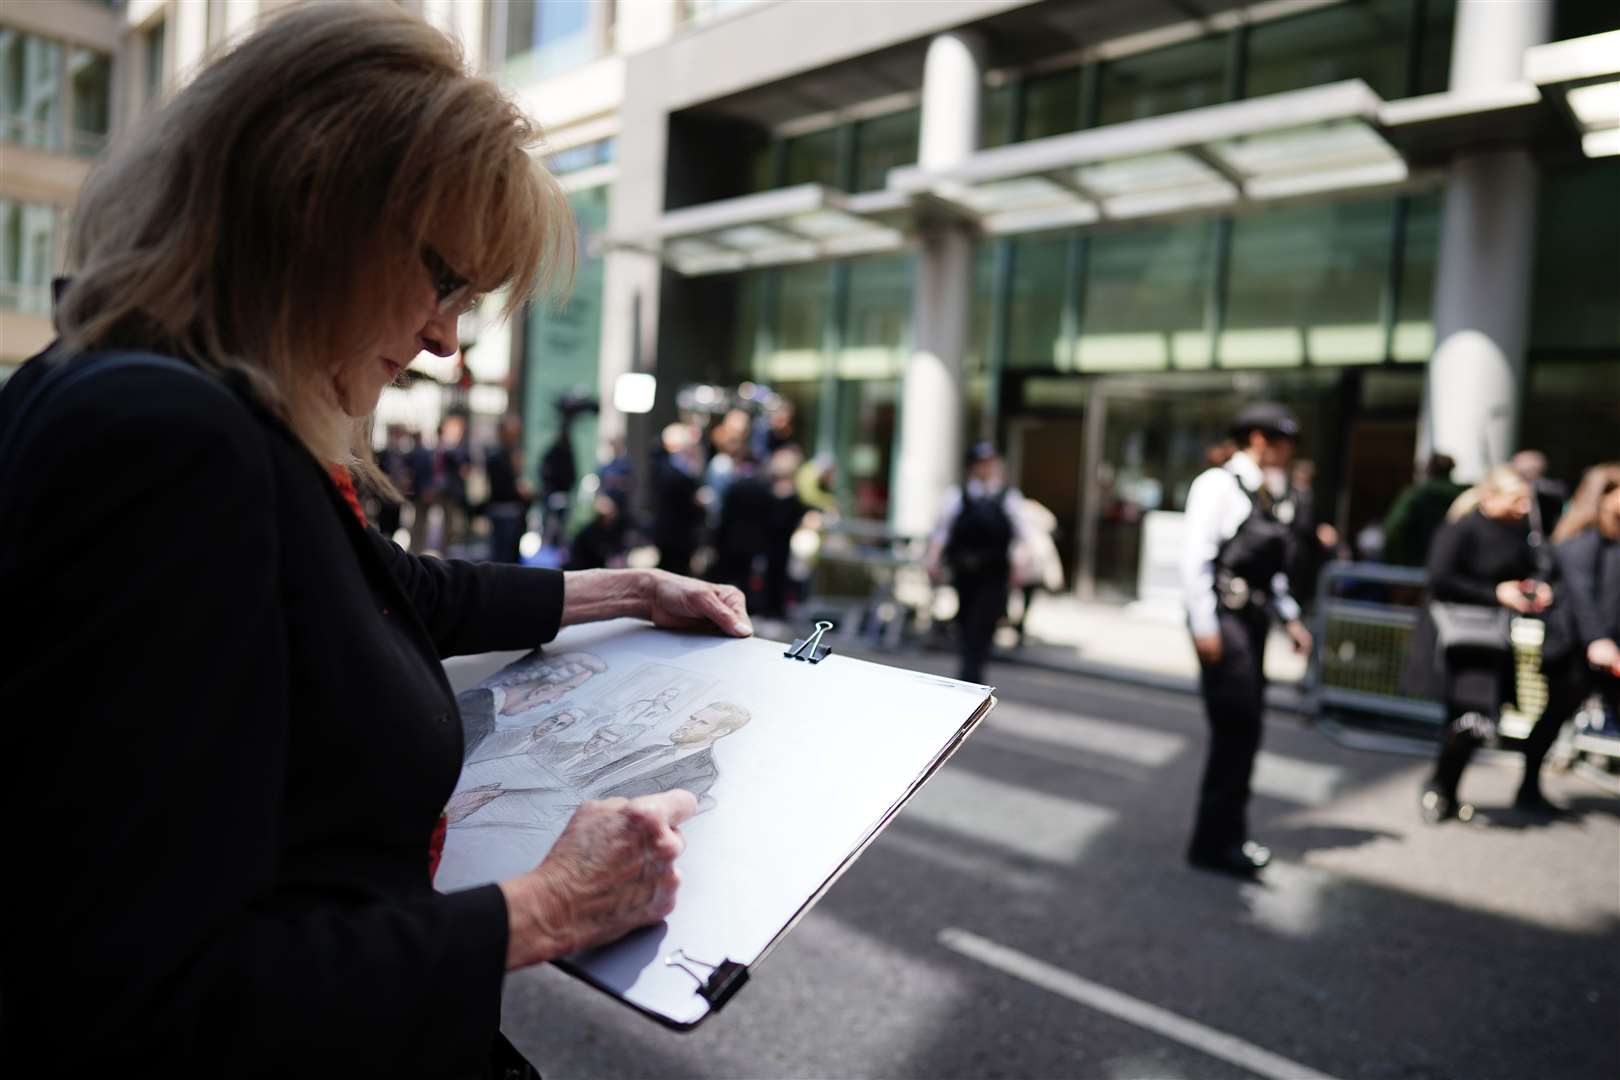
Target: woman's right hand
612,870
1510,594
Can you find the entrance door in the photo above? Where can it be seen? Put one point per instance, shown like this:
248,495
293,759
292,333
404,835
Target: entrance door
1045,456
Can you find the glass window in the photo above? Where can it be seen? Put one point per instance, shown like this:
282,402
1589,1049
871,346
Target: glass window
1575,297
1414,311
981,319
813,159
875,325
1306,284
1365,39
1051,105
996,116
563,345
558,34
866,433
1185,76
153,46
698,11
91,75
1434,46
1040,287
1569,413
586,156
1145,298
883,143
799,322
27,256
30,90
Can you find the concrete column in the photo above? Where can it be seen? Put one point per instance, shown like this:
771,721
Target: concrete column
931,413
1475,378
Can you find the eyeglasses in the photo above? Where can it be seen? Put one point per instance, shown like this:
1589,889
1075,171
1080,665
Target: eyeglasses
453,293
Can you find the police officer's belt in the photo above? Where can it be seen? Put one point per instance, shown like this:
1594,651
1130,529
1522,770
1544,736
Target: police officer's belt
1235,593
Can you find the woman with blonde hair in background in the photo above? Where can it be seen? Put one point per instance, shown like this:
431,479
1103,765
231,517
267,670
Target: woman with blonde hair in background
240,740
1482,571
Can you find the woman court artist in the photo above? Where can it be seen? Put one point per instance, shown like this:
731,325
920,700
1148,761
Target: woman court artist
238,735
1484,558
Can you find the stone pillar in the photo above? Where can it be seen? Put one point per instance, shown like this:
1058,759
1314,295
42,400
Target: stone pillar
931,412
1475,378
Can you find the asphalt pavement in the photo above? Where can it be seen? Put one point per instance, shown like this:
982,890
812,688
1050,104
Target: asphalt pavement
1029,915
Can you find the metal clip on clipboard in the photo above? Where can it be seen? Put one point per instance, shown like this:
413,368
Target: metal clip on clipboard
810,649
722,981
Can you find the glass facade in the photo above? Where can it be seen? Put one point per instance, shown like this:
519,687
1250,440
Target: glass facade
1365,39
1146,296
30,90
154,46
1035,303
1186,76
813,159
544,37
1051,105
90,81
883,143
1306,284
29,234
1575,302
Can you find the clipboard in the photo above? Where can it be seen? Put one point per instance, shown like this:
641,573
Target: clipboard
755,863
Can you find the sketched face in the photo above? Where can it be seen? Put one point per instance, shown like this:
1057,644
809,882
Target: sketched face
602,740
667,697
558,722
702,728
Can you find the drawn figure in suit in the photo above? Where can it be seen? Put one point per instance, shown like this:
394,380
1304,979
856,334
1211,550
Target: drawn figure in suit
685,761
541,740
522,686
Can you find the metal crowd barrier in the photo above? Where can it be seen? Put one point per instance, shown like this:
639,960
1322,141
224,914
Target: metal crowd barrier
1364,621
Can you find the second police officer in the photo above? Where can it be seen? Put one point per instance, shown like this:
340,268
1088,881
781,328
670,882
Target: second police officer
1233,575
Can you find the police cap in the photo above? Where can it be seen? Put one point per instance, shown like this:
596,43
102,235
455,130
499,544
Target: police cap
982,451
1266,416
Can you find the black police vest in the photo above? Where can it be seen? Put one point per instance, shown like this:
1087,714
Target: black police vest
981,535
1257,552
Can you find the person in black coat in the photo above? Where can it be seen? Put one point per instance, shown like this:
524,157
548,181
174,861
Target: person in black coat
509,493
1483,558
1580,655
240,737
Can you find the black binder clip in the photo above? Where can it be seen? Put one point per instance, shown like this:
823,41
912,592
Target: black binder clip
722,981
810,649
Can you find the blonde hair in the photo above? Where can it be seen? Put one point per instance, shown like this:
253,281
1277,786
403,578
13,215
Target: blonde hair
265,219
1501,480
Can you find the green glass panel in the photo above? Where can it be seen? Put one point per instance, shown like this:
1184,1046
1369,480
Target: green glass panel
1035,304
1576,292
563,345
979,345
1306,284
883,143
1414,312
1186,76
1434,48
801,308
996,116
1145,296
1052,104
1364,40
879,309
813,159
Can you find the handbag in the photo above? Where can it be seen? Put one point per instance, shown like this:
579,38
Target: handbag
1470,626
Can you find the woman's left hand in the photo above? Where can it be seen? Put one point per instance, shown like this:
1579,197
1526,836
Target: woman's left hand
683,603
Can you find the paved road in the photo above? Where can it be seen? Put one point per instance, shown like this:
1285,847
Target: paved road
1029,916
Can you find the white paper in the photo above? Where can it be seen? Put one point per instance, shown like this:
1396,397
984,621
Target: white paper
794,764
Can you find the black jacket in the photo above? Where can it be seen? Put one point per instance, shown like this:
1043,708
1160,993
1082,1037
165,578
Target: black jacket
229,740
1586,604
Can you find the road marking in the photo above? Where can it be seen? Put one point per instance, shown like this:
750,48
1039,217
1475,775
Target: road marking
1293,780
1129,742
1121,1006
999,814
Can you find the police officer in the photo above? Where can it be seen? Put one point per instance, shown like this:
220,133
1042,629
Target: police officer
974,538
1233,574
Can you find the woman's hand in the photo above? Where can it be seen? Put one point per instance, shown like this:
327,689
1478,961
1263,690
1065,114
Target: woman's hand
1510,594
611,871
683,603
1604,655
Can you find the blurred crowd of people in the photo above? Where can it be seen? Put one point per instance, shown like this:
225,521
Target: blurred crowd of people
728,489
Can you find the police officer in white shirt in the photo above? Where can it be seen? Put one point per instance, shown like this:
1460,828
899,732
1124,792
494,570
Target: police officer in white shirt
1233,577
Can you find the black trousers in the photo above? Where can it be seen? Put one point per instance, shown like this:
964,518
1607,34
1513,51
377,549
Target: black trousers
982,601
1477,683
1569,683
1234,691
